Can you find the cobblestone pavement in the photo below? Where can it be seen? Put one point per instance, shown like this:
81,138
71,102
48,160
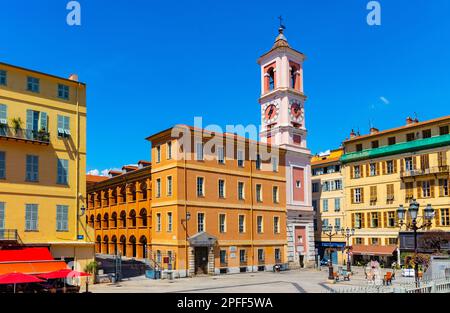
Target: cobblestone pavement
294,281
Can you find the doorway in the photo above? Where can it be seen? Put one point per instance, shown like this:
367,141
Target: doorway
201,260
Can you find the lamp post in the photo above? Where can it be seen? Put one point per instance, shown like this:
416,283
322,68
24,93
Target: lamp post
328,231
413,212
348,233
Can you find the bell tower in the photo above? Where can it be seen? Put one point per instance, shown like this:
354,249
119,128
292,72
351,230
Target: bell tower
282,99
283,124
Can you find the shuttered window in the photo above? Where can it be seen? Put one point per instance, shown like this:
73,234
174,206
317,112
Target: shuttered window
62,218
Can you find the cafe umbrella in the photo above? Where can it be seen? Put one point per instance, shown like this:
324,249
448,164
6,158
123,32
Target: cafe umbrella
63,274
18,278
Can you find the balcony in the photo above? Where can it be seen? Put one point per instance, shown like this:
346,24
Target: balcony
24,135
9,236
445,169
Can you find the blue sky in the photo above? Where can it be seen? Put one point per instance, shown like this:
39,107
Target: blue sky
150,64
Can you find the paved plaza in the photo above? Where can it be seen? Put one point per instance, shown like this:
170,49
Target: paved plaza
294,281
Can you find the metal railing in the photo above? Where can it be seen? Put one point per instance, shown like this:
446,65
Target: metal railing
24,134
9,235
426,171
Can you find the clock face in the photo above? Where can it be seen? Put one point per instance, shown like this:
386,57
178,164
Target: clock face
271,112
296,112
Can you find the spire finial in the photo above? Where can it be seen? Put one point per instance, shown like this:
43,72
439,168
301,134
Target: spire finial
282,27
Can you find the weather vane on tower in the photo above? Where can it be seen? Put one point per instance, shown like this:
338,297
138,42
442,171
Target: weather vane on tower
282,27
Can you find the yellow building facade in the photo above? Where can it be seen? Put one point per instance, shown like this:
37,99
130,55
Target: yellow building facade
386,169
42,163
328,203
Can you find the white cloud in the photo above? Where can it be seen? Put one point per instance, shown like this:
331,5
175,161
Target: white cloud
93,172
104,172
386,101
325,153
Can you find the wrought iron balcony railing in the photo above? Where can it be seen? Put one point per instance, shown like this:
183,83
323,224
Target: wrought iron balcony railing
20,134
9,235
428,171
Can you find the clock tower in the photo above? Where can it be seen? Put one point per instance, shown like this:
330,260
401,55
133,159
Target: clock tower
283,124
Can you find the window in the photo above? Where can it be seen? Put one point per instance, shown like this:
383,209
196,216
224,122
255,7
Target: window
358,220
222,223
62,218
357,194
63,92
410,137
274,164
315,187
241,194
375,241
158,154
373,169
3,118
409,166
373,194
314,204
199,151
426,189
63,169
169,150
220,155
261,255
374,219
409,191
223,257
258,162
241,224
445,217
32,168
169,221
391,141
337,205
426,133
390,192
2,165
325,222
63,126
3,78
425,161
259,223
169,186
36,121
359,147
357,171
200,187
277,255
391,219
31,217
337,223
392,241
158,188
275,195
276,225
325,205
240,158
390,167
258,193
158,222
32,84
271,74
443,184
242,256
200,222
221,188
2,215
375,144
158,256
444,130
359,241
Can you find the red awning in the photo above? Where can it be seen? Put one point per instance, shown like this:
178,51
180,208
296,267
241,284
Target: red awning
66,273
29,261
374,250
18,278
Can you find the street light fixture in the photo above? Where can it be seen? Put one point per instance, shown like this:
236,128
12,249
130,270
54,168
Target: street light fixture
413,212
328,231
348,233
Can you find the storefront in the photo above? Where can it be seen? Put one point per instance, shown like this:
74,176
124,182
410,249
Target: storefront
385,255
337,250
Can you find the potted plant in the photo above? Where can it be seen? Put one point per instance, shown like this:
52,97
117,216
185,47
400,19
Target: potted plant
43,135
17,125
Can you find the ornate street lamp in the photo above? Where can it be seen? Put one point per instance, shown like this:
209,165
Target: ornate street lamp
413,212
328,231
348,233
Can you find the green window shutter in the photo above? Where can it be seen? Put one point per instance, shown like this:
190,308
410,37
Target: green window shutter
44,121
29,119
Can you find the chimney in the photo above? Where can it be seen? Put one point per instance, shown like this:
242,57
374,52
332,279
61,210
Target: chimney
409,120
73,77
352,134
374,130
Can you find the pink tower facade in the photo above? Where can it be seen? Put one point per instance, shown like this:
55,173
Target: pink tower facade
283,124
